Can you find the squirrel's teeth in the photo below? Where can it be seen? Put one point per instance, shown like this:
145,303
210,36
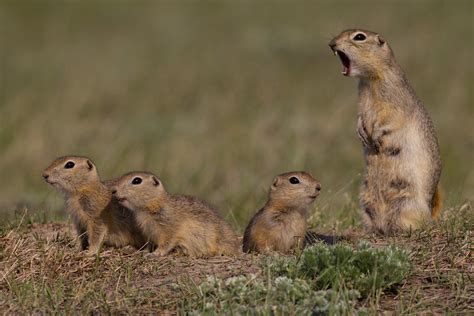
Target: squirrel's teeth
345,71
335,52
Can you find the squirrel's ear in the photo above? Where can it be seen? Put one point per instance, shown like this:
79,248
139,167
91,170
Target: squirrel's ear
156,182
90,165
275,183
380,40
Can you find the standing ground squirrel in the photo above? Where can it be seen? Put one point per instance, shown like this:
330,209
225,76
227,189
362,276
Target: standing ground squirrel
97,216
175,221
402,158
282,223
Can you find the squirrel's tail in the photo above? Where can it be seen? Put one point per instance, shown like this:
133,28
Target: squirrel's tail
436,204
312,237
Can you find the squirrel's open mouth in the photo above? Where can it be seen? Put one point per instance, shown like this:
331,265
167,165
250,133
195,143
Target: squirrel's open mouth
121,199
346,62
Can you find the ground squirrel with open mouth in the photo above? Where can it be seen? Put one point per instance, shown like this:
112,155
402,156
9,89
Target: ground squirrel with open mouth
402,158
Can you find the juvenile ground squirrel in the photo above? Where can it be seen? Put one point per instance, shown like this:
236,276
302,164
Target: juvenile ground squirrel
96,215
402,158
174,221
282,223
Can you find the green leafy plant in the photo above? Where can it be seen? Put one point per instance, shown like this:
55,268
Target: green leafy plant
365,268
322,280
245,295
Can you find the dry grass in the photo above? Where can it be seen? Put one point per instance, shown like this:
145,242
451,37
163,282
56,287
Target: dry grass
43,273
443,261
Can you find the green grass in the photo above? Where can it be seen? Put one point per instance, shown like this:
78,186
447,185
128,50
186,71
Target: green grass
218,98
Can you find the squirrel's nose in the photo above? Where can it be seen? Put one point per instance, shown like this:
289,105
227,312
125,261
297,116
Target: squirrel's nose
318,187
332,44
45,176
114,191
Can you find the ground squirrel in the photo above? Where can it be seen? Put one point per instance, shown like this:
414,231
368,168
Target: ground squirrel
97,216
175,222
282,223
402,158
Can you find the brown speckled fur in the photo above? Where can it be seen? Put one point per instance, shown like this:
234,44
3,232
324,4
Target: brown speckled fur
402,159
282,223
97,216
175,222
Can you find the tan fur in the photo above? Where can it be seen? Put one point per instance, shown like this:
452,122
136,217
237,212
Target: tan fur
402,159
97,216
282,223
437,204
176,222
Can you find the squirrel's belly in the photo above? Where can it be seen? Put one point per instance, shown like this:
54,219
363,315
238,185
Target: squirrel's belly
380,168
392,178
386,176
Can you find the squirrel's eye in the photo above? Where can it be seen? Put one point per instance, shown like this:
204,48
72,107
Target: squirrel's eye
136,181
359,37
294,180
69,165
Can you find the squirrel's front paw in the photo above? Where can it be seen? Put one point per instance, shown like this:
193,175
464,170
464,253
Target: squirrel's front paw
362,133
155,254
377,139
91,252
377,145
363,137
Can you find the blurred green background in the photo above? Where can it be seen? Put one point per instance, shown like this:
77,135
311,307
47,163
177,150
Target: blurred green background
218,97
